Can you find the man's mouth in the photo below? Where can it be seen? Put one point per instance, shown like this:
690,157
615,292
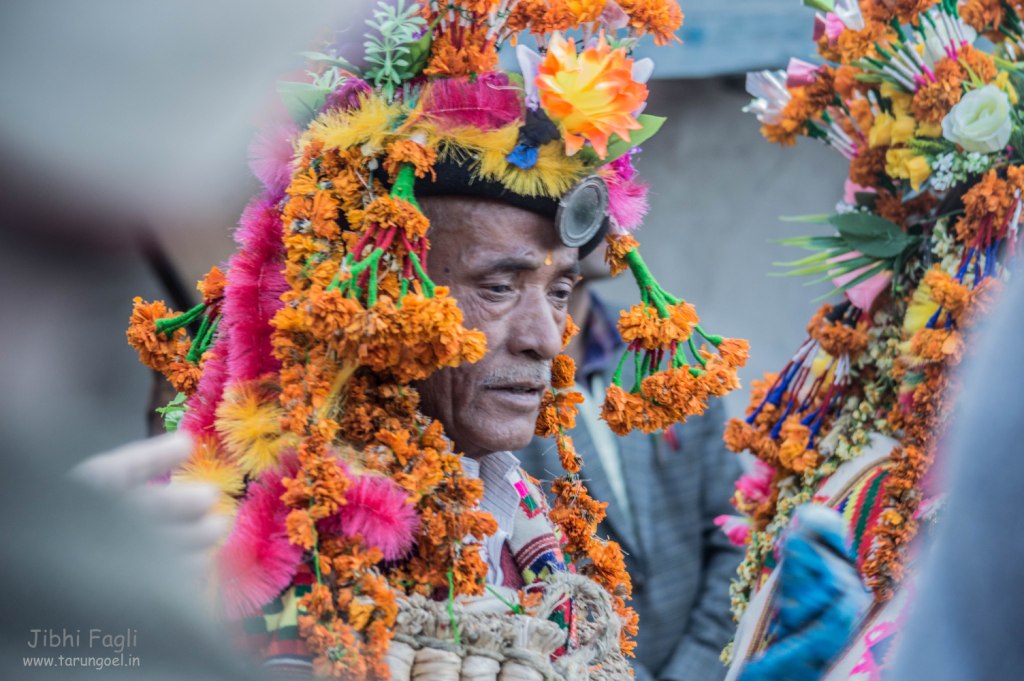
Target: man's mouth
519,388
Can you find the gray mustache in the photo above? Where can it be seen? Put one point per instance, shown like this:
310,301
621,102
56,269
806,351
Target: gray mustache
537,373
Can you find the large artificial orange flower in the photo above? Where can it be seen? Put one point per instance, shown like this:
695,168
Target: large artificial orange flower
591,95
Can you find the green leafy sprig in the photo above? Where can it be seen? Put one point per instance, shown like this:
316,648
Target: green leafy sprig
396,54
173,412
879,245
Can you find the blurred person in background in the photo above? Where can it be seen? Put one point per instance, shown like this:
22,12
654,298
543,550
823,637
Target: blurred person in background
663,493
150,104
967,615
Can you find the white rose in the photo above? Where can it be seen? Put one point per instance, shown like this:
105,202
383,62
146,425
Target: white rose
981,121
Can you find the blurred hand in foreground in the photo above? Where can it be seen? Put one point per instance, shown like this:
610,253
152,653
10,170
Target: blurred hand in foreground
182,512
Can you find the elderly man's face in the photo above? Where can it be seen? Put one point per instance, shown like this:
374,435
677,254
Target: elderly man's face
512,279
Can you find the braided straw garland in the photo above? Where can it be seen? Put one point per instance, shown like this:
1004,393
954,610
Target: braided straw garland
494,645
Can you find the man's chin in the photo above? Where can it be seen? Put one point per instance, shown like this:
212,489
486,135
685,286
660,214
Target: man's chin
508,435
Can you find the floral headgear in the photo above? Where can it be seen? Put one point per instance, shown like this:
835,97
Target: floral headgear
297,381
926,231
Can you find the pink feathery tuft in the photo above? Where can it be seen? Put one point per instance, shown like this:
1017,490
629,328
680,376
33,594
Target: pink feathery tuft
257,561
627,197
253,292
490,102
270,155
756,486
202,405
260,225
736,528
378,510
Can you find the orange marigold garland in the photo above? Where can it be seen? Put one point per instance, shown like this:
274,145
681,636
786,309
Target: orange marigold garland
346,363
575,512
673,378
159,335
788,416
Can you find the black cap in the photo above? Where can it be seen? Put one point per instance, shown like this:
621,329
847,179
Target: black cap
580,216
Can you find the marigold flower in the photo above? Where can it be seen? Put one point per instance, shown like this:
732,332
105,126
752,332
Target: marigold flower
586,11
386,212
661,18
795,452
679,393
643,325
950,294
212,285
837,339
938,345
719,379
557,412
984,16
621,410
563,372
867,168
409,151
568,456
301,528
792,121
852,46
640,324
738,435
475,54
618,246
155,350
735,351
591,96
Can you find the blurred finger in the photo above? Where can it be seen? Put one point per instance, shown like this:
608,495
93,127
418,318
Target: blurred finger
201,535
133,464
175,503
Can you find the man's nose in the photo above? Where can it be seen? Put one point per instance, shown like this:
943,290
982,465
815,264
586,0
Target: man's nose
536,327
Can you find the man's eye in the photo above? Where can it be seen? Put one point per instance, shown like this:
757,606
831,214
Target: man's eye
499,289
561,293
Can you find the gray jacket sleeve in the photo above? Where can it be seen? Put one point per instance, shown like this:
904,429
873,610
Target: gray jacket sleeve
711,625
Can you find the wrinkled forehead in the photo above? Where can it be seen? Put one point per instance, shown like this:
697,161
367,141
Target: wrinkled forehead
475,231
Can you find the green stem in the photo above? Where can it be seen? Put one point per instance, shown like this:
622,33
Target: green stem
203,340
451,609
713,339
371,297
404,183
428,285
514,607
316,551
679,357
403,288
650,289
646,366
637,372
172,324
696,354
346,265
617,376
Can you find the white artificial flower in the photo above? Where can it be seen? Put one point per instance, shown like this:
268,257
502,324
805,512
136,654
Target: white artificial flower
980,121
768,88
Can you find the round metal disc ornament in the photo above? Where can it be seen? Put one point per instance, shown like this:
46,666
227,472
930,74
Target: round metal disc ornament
582,211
